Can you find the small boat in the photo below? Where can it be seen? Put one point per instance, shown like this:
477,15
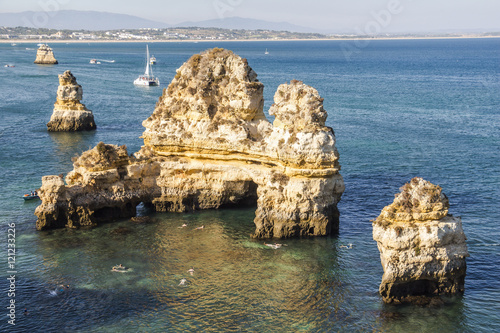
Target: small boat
98,61
9,66
148,78
27,197
152,60
267,52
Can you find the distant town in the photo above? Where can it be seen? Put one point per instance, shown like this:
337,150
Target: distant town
149,34
191,33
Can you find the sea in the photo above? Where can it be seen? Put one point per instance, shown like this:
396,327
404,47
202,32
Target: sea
399,108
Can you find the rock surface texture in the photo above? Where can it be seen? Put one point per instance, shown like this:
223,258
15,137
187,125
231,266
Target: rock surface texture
208,145
69,114
422,247
45,56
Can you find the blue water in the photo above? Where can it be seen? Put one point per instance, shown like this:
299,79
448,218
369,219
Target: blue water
399,109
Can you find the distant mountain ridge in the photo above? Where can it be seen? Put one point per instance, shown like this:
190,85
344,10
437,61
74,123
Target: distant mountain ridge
94,20
77,20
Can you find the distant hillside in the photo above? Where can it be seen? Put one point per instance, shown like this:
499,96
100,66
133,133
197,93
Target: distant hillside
77,20
247,24
93,20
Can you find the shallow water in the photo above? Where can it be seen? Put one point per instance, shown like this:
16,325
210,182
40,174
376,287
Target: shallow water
399,109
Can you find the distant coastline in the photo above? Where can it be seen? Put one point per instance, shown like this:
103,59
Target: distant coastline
195,34
71,41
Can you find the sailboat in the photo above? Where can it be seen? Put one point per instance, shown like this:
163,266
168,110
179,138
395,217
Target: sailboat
148,78
267,52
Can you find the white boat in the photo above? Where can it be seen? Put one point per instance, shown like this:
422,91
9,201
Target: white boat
148,78
266,52
98,61
152,60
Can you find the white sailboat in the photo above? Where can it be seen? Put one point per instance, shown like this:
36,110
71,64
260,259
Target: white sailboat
267,52
148,79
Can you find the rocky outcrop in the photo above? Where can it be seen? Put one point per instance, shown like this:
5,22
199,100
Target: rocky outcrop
105,184
422,247
70,114
208,145
45,56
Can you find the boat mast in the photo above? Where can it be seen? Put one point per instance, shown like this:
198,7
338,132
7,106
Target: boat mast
147,63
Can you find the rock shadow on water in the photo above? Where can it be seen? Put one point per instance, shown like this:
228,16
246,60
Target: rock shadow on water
446,312
76,141
67,145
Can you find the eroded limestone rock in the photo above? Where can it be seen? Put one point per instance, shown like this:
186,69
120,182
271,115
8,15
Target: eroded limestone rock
105,184
422,247
70,114
45,56
209,145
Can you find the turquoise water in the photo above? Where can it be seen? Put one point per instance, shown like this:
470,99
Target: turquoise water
399,109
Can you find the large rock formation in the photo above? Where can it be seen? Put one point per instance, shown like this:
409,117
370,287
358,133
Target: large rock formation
422,247
69,113
209,145
45,56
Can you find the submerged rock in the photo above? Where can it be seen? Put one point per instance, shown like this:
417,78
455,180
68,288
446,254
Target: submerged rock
208,145
70,114
45,56
141,219
120,231
422,247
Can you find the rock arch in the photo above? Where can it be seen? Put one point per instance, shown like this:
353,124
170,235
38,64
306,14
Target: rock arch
205,146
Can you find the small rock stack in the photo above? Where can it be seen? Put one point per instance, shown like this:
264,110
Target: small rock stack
45,56
422,247
69,114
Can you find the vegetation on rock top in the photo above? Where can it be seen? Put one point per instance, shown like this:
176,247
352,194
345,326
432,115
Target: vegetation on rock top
419,200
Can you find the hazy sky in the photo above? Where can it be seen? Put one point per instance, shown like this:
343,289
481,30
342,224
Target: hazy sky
335,15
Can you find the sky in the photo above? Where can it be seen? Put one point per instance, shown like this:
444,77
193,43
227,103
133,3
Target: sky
332,15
